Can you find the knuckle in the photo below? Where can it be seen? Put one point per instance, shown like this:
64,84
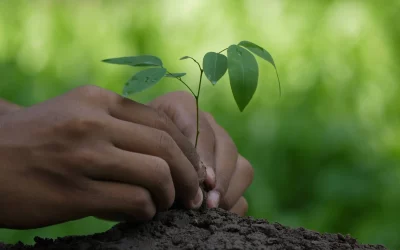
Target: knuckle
144,205
89,90
162,169
85,157
205,125
181,96
166,144
164,183
80,126
96,93
162,122
228,142
191,153
187,188
246,168
208,116
223,137
184,94
222,185
118,101
178,100
227,203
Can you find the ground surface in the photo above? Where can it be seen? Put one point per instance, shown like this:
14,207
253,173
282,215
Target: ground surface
206,229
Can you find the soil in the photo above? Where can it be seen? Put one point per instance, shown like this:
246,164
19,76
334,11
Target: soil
202,229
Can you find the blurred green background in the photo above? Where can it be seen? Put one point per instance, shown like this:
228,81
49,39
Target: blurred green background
326,155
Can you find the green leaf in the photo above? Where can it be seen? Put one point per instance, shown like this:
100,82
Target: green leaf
243,74
143,80
185,57
214,66
261,52
175,75
144,60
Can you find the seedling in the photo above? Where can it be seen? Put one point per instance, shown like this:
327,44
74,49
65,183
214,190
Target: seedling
241,65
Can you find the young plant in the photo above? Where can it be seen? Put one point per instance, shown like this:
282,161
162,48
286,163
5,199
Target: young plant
241,65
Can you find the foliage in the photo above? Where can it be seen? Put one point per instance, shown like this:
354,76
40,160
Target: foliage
326,155
243,72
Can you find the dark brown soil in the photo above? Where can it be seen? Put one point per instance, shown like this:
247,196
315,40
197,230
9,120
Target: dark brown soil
205,229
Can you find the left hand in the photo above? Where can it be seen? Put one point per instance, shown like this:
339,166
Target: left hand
234,173
228,173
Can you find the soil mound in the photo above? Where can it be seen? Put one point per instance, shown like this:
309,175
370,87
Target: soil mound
203,229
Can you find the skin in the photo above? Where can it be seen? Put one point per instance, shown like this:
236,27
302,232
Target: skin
228,173
91,152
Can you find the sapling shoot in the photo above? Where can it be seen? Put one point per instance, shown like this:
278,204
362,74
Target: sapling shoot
241,65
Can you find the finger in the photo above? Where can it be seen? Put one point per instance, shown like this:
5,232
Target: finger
128,110
127,202
205,143
183,114
226,156
147,171
240,181
150,141
241,207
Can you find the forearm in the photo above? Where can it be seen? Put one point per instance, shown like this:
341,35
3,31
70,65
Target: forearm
6,107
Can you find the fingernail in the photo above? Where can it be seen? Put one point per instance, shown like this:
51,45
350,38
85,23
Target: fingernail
210,175
198,200
213,199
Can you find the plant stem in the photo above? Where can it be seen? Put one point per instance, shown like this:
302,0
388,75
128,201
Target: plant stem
196,97
196,62
180,79
222,50
197,108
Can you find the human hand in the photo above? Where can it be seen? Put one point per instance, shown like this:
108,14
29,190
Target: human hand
228,173
91,152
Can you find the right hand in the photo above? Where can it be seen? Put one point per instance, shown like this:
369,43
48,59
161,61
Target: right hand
92,152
